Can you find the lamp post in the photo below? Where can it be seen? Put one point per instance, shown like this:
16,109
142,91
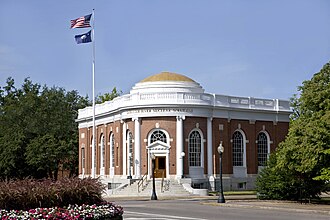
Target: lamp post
182,156
221,198
153,195
129,166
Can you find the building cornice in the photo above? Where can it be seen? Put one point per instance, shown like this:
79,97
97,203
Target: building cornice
153,104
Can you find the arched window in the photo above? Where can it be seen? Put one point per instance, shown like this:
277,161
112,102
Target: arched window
262,149
195,148
102,152
238,149
158,135
112,150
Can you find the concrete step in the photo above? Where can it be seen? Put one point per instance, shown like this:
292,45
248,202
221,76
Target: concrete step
172,188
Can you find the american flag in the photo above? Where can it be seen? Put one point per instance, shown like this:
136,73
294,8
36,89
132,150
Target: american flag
82,22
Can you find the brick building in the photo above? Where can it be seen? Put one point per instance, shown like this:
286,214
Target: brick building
169,117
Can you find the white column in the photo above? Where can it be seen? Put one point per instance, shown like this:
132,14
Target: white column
149,165
124,149
168,164
209,148
179,146
137,148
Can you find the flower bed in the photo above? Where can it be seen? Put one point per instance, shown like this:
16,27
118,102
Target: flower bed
36,199
72,212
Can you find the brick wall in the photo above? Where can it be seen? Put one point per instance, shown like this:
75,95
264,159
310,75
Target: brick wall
223,130
169,125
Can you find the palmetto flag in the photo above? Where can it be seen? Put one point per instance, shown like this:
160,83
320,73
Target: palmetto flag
83,38
82,22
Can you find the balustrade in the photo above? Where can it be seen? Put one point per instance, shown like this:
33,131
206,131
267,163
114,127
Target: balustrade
186,98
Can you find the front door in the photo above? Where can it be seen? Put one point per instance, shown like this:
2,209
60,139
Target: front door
160,167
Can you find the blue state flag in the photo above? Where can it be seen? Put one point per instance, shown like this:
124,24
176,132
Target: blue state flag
84,38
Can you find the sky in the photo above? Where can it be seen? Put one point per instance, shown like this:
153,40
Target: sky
254,48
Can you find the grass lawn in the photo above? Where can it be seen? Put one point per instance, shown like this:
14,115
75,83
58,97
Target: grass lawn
228,193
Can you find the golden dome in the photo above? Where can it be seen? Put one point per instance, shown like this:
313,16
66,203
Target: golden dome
167,76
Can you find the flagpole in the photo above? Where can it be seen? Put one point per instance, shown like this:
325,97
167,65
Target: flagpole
93,67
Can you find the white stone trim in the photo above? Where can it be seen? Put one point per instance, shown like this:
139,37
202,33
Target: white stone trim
179,147
209,148
153,97
137,148
124,135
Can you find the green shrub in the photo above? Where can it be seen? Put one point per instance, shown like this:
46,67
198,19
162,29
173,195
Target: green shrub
285,184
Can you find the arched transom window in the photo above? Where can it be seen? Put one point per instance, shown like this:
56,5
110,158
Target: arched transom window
238,149
195,145
262,149
158,135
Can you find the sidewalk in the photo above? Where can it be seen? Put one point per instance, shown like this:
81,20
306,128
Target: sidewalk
250,202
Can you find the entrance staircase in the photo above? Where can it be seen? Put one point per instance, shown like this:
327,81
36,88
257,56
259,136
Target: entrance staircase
170,188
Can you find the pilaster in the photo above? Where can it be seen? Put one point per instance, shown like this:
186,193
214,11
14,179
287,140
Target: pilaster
137,147
124,149
179,146
209,148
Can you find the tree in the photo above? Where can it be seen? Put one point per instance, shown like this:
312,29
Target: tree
108,96
17,107
38,130
58,135
303,158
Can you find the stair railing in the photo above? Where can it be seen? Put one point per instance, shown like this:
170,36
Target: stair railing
162,183
165,184
142,182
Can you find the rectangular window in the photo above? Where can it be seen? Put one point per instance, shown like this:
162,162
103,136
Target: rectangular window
241,185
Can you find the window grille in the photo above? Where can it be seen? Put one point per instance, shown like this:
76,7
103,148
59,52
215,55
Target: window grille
112,149
158,135
195,143
238,149
262,149
102,151
130,147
